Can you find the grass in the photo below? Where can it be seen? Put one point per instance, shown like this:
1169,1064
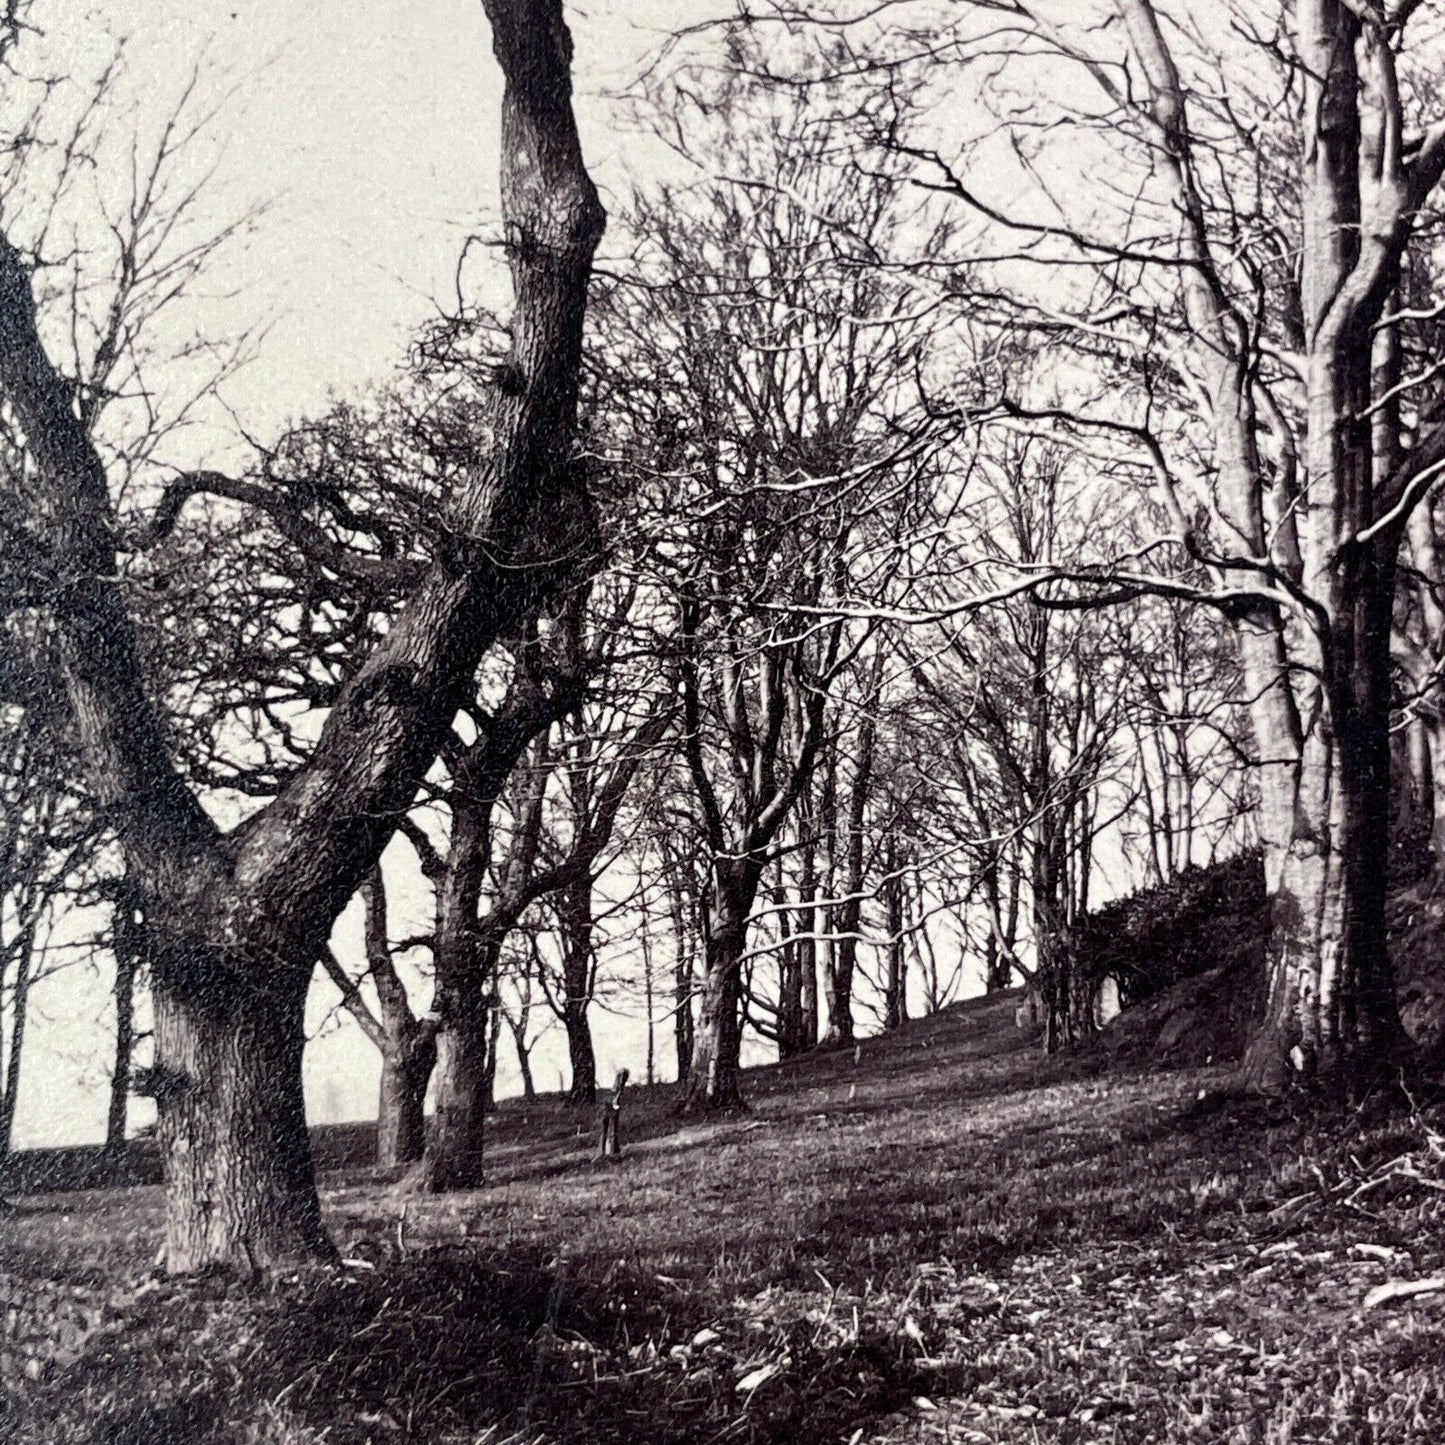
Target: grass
940,1237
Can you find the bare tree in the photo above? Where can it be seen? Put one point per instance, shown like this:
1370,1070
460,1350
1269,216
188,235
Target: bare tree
1237,342
405,1039
235,920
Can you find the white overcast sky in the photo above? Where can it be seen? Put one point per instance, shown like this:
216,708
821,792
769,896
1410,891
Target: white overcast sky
368,129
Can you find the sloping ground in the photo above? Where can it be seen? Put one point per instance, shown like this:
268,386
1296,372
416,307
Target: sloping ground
1189,956
939,1237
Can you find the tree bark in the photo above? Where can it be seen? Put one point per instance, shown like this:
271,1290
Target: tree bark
895,993
125,946
682,1020
232,1125
465,976
236,923
575,908
715,1076
807,942
524,1061
407,1043
19,1013
406,1072
455,1153
1329,1009
790,980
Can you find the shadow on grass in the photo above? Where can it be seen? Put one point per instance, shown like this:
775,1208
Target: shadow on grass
445,1346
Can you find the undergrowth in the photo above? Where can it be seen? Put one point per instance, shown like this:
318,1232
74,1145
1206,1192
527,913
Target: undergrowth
937,1237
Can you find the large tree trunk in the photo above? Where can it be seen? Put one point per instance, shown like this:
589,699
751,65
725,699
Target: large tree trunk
1328,1007
715,1077
232,1125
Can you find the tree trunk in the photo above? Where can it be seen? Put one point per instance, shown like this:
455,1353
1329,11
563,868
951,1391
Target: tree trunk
465,976
790,981
232,1125
895,993
807,943
574,906
19,1010
1425,745
998,949
454,1148
524,1062
1051,950
124,946
1329,1008
1432,726
580,1053
648,996
682,1022
715,1077
406,1071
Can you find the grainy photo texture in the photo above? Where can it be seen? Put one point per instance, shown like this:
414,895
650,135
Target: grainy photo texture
863,570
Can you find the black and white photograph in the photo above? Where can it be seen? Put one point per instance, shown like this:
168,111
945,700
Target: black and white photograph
722,722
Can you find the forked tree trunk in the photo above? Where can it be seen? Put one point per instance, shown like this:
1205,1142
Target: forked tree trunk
238,921
232,1122
524,1060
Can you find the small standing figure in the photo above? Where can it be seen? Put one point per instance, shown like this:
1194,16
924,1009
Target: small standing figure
609,1119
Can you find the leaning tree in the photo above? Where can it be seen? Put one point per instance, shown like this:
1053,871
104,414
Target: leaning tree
235,919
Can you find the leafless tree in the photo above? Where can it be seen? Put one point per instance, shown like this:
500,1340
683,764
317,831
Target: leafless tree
1235,329
235,920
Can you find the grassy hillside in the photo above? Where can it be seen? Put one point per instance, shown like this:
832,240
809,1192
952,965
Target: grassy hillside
938,1238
